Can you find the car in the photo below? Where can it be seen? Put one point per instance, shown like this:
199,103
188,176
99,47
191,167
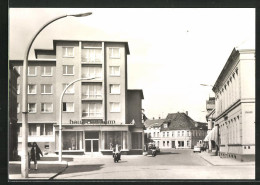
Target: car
197,149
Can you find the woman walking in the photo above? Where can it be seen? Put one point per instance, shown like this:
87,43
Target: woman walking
35,154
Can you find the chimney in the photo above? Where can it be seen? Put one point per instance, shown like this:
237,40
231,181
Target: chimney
187,113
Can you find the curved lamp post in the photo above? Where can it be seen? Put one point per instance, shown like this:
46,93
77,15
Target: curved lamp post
24,157
60,119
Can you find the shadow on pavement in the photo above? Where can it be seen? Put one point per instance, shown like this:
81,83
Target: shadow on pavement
55,159
42,168
82,168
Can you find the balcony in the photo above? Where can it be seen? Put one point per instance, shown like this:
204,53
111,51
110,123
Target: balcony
87,97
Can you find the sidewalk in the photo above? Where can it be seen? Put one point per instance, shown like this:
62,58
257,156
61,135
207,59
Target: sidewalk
48,168
217,161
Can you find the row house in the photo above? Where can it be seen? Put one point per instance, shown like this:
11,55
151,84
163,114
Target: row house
235,105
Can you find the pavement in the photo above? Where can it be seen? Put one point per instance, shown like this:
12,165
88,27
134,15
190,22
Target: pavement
49,167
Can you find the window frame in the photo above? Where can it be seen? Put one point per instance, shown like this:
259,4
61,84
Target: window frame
35,108
115,111
47,103
44,71
67,56
110,71
28,72
66,107
35,88
110,88
43,85
73,72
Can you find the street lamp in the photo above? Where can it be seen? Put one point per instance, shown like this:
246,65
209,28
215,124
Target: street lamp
60,119
24,156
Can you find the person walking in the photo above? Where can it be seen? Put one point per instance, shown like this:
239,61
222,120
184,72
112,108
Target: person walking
35,154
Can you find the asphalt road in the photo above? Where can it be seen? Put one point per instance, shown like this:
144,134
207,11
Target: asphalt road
169,164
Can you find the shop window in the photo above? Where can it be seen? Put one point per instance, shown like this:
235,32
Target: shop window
114,137
68,51
114,70
72,140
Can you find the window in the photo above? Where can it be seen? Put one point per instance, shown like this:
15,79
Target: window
31,89
92,110
68,107
32,107
32,130
18,88
88,72
182,133
92,55
46,71
32,71
46,107
46,129
46,89
68,70
114,89
178,133
92,91
114,71
165,125
114,53
18,107
114,107
70,90
68,51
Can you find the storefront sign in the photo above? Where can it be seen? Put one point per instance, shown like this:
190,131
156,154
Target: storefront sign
92,121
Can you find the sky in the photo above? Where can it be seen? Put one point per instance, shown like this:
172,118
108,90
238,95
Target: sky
172,51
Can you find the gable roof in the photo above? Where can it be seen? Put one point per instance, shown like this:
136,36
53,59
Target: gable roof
181,121
153,122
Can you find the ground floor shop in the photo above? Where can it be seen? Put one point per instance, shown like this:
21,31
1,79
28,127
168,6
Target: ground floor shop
87,139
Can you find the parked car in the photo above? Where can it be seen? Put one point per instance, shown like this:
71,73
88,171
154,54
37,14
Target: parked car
197,149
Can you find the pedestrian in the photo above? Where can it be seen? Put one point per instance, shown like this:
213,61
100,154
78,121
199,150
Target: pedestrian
35,154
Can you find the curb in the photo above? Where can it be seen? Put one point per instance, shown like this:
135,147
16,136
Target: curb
51,178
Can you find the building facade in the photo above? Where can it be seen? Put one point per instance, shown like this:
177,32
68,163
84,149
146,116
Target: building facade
13,126
235,105
94,108
177,130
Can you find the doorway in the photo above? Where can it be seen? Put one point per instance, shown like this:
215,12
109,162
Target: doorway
91,142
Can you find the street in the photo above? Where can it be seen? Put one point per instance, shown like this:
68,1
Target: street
169,164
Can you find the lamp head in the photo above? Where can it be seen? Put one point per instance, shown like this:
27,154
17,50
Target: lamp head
81,14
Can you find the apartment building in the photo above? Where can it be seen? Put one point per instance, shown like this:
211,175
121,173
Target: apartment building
94,108
235,105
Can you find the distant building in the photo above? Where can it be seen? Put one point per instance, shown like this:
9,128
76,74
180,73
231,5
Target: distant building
235,105
97,114
177,130
13,108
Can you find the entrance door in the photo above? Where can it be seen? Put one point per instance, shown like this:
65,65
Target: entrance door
91,141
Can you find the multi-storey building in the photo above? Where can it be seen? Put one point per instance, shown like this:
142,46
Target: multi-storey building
95,112
177,130
235,105
13,126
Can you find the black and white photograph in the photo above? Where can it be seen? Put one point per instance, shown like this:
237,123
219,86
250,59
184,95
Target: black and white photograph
131,94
